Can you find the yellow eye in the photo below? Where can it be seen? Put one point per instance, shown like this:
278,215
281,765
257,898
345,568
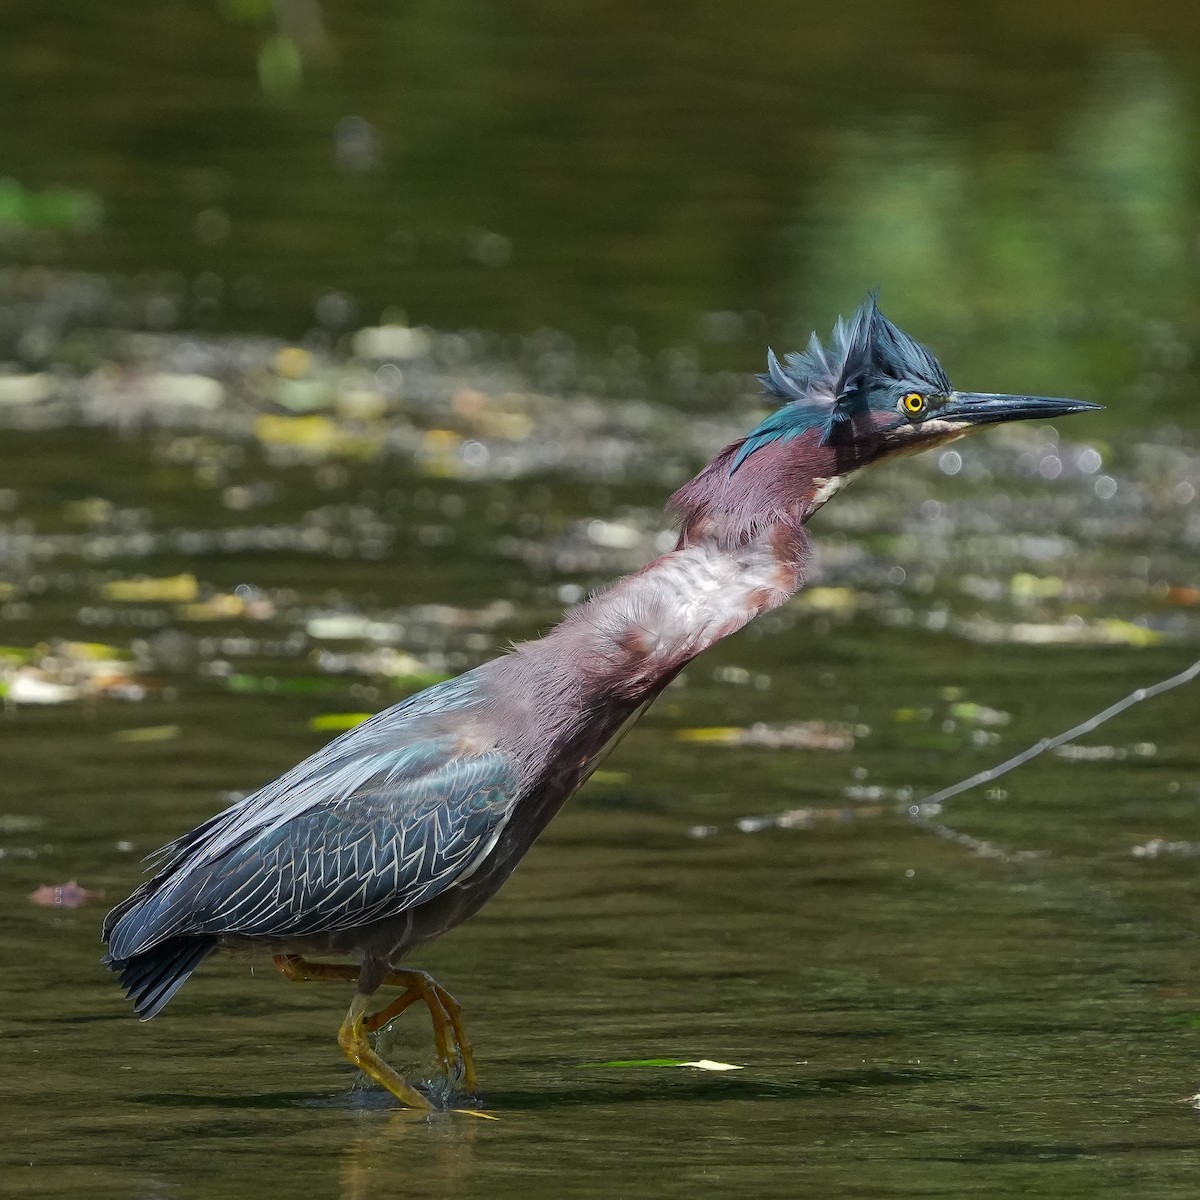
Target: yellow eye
912,403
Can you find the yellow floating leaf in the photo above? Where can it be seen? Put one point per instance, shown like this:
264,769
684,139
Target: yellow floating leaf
716,735
1024,586
830,599
178,588
94,652
312,432
222,607
337,722
1127,633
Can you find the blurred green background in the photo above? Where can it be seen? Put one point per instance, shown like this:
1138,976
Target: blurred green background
1019,177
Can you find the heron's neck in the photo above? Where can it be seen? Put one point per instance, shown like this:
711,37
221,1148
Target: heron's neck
629,641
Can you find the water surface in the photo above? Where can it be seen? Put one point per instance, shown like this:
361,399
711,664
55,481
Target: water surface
227,524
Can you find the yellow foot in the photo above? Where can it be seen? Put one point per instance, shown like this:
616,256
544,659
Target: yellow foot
352,1037
449,1037
444,1012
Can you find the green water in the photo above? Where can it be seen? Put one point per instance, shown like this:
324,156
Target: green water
669,192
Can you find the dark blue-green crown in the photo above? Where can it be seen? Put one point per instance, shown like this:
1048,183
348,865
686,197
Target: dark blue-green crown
868,362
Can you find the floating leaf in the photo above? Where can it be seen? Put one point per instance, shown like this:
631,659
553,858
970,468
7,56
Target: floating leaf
337,722
148,733
1025,586
715,735
178,588
28,686
979,714
830,599
299,686
1187,1020
799,735
699,1064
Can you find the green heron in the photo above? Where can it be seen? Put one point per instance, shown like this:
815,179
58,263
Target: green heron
406,825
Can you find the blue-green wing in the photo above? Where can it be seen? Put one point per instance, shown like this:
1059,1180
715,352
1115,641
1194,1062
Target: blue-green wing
397,841
382,819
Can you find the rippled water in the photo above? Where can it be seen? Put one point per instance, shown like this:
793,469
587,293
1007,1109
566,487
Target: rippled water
218,548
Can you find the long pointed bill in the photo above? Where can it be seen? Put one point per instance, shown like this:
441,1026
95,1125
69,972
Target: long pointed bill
990,408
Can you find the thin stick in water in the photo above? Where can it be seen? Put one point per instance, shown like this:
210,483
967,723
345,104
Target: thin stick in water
923,809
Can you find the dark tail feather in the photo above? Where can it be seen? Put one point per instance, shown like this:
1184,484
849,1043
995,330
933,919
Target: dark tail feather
152,977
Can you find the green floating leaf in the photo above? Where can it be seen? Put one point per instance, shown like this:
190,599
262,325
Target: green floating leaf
337,722
298,686
1187,1020
699,1064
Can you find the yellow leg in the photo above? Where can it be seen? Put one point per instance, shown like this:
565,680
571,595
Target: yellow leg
300,970
445,1015
454,1015
352,1037
444,1012
411,995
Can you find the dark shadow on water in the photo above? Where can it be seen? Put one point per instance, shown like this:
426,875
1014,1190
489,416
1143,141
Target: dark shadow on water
701,1089
1045,1152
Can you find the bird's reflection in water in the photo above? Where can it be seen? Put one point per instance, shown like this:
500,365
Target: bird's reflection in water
432,1153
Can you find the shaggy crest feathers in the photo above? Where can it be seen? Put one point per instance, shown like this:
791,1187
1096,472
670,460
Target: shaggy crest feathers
821,387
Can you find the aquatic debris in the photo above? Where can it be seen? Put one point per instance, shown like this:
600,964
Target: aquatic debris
300,685
804,818
1161,848
1106,753
978,714
699,1064
28,685
337,722
25,389
924,811
227,606
20,823
1108,631
65,671
149,733
336,627
177,588
391,342
187,391
1187,597
932,803
317,436
799,735
840,600
64,895
1026,588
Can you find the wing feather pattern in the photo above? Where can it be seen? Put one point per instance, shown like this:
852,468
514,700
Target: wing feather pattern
382,819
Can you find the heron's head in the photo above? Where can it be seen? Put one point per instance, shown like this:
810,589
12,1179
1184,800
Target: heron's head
870,394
